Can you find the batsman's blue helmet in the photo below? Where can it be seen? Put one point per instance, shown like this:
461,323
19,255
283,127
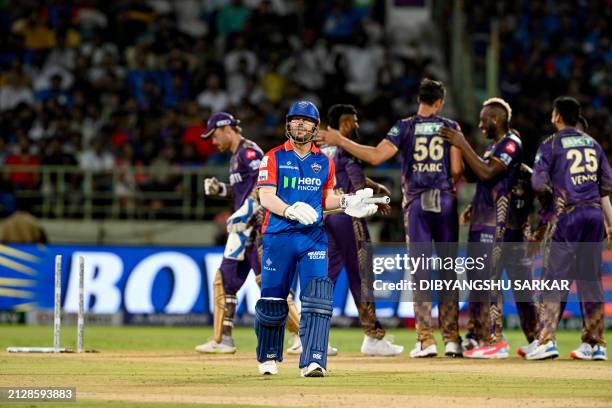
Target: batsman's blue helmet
304,109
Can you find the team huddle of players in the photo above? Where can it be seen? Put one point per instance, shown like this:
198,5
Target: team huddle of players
300,209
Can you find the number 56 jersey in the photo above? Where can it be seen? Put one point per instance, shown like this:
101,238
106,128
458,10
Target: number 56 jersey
576,166
425,155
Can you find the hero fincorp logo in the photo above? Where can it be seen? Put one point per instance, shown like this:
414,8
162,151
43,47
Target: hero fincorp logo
302,183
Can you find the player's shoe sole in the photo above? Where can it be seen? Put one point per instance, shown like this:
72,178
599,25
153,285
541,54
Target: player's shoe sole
313,370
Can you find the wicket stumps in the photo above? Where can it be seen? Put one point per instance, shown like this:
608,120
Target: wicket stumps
57,314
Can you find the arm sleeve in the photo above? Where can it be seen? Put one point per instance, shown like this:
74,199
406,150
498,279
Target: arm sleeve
394,135
507,152
267,171
251,160
540,178
331,175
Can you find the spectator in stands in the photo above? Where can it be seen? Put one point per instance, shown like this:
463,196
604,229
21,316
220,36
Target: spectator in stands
214,97
28,176
231,18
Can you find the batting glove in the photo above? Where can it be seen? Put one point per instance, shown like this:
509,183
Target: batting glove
212,186
302,213
361,204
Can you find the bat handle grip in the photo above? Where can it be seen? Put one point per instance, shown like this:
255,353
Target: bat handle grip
377,200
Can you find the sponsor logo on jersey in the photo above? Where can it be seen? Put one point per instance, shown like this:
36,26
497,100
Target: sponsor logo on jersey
268,265
427,128
235,178
394,131
250,154
254,164
288,167
302,183
264,161
576,141
510,147
505,158
317,254
263,175
316,167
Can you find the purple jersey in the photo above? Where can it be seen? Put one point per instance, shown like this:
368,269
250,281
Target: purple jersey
425,155
244,168
496,194
576,168
349,172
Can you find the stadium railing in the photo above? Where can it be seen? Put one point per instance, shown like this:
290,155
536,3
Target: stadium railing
125,192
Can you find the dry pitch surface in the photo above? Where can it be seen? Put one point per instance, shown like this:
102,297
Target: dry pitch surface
157,367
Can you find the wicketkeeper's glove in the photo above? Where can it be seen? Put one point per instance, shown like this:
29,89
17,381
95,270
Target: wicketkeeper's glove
239,220
236,244
362,203
302,213
212,186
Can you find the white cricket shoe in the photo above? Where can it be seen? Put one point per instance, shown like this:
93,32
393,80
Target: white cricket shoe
268,367
313,370
584,352
599,353
419,352
544,351
212,347
296,347
524,350
379,347
453,349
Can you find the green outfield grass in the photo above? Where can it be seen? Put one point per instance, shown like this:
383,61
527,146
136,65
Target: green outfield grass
152,366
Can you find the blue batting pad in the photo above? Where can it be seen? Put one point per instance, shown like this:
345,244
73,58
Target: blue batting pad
270,318
315,320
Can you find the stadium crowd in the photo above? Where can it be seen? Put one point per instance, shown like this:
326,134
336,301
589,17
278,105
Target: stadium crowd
122,84
550,49
103,84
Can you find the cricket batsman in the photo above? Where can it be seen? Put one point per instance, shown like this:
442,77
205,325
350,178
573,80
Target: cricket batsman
296,183
243,247
574,164
349,238
430,166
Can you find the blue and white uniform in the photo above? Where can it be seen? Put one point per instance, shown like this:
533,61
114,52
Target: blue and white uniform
290,247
